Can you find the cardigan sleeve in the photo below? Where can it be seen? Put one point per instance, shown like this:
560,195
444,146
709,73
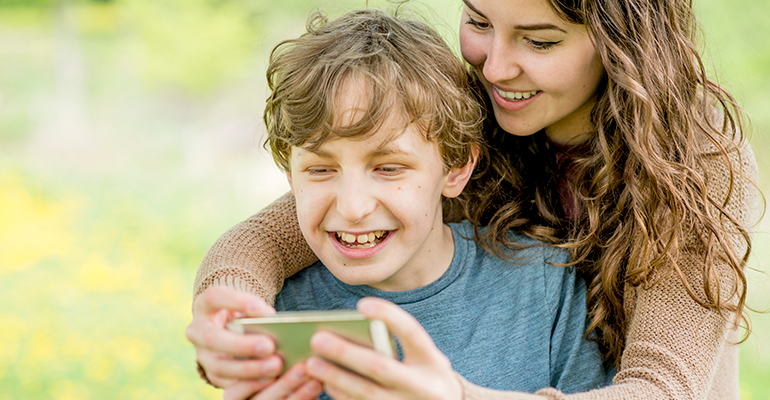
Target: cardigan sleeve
676,349
256,255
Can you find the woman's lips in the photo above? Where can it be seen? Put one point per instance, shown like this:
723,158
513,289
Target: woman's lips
513,101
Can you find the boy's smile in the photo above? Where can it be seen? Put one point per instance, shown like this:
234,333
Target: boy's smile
370,207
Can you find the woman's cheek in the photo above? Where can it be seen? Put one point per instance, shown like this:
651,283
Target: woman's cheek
472,48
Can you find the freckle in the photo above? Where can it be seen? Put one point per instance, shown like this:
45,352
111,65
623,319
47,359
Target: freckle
344,264
399,188
419,187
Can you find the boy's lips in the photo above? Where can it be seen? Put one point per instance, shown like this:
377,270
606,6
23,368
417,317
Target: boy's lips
359,245
361,240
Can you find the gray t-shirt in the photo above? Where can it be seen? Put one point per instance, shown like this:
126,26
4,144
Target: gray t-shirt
503,326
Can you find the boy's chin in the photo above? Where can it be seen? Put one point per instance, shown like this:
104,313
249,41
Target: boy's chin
356,276
355,280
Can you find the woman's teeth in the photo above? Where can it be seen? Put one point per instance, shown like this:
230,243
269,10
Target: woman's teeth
361,241
515,95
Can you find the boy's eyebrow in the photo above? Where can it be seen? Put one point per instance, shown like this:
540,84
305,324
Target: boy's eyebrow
533,27
316,151
383,150
389,151
387,148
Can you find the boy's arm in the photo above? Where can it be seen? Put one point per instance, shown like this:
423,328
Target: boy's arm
256,255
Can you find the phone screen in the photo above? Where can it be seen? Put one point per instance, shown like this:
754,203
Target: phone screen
292,330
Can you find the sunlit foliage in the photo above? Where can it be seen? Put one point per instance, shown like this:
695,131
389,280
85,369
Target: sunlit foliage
129,140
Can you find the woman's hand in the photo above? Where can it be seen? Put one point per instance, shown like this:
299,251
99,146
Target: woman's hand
424,374
228,357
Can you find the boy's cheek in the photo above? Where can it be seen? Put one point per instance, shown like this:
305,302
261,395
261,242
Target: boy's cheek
291,183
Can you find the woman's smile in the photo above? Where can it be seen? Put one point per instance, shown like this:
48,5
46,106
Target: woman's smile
513,100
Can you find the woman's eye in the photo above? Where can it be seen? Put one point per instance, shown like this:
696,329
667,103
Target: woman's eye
540,45
478,24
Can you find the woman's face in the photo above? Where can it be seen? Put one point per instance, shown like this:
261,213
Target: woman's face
539,70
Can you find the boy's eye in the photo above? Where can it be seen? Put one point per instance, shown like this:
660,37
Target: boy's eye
390,170
478,24
541,45
319,170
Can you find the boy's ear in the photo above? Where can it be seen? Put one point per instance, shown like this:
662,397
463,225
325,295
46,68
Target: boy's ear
457,178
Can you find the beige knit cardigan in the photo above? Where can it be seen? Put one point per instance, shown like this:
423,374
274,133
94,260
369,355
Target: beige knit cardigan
675,349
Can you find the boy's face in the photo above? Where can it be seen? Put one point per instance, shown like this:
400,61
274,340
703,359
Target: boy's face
371,209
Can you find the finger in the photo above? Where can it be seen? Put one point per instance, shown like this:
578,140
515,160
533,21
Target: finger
242,390
336,394
221,383
219,339
286,384
342,384
362,360
222,368
417,345
218,297
309,390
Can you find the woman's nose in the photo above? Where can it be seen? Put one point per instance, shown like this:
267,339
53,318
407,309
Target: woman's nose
502,62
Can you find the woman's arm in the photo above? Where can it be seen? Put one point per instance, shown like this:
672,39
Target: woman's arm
675,348
256,255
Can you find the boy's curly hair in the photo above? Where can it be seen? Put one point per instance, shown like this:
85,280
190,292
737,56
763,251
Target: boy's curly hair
409,72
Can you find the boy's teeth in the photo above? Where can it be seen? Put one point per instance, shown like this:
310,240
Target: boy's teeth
364,238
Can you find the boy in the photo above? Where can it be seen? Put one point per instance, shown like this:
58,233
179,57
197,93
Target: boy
372,119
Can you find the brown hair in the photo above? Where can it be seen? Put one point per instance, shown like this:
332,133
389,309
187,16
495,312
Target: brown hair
409,72
643,184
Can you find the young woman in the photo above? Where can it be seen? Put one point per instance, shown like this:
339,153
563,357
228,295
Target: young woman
608,139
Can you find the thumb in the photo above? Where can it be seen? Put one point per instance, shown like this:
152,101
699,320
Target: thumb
417,344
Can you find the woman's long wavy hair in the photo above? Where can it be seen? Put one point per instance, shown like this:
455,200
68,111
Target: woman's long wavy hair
644,185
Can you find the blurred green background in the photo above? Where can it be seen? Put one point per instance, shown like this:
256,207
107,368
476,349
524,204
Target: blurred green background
130,136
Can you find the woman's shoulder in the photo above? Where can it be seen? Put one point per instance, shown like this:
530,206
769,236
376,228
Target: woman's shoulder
730,170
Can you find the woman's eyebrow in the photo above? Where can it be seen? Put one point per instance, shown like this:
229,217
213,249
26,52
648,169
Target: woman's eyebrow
539,27
532,27
469,5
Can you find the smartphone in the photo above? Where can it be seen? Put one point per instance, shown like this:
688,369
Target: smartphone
292,330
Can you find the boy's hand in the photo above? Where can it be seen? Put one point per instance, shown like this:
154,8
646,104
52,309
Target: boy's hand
295,384
425,373
228,357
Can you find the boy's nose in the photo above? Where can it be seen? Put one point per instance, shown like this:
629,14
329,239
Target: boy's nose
354,200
